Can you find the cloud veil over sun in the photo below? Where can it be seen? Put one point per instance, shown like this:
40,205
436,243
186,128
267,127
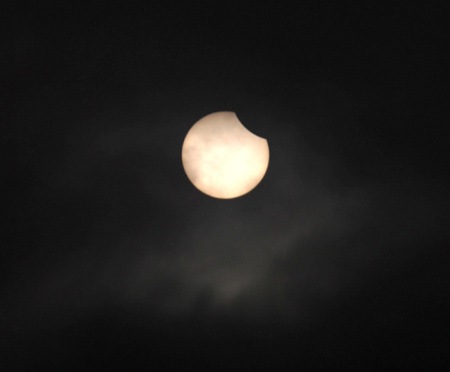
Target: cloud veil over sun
223,259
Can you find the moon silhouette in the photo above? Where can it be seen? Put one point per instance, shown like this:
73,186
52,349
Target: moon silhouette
222,158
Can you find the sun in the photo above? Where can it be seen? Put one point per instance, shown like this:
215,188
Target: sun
222,158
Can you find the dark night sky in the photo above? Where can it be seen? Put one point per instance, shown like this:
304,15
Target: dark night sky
111,260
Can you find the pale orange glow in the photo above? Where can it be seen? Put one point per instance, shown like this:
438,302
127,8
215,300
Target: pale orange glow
222,158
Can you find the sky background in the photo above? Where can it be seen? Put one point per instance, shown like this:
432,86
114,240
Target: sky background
111,259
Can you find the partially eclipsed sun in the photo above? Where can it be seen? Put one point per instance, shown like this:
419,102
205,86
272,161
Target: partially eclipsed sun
222,158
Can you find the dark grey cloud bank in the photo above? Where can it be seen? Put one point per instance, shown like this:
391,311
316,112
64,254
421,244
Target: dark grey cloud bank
342,243
126,226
